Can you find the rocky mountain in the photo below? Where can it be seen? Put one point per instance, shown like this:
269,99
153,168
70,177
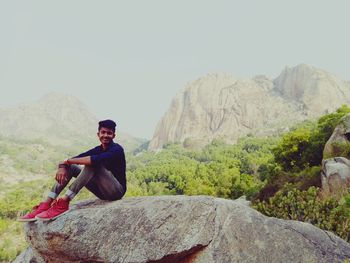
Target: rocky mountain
222,106
57,119
177,229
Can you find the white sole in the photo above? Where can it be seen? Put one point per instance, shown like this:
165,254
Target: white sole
48,219
26,220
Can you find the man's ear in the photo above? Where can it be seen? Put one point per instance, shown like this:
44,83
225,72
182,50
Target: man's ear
114,135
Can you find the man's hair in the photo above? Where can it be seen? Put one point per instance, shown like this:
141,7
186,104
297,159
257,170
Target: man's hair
107,124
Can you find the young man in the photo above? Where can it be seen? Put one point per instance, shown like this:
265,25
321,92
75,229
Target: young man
103,174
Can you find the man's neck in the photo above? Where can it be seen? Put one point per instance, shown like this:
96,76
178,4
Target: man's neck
105,146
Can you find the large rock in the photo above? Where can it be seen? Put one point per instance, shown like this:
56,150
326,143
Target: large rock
221,106
178,229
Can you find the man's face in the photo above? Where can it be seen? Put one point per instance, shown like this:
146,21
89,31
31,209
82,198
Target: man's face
105,135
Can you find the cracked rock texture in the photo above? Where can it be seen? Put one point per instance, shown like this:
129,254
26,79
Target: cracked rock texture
176,229
221,106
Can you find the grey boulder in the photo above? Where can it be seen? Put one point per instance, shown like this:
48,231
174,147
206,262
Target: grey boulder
176,229
335,177
338,145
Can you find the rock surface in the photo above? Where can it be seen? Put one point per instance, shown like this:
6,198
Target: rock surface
178,229
221,106
30,256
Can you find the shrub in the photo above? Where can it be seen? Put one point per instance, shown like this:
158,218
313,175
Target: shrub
285,181
305,206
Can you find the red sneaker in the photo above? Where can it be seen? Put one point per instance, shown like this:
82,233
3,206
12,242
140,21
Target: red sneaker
43,206
57,209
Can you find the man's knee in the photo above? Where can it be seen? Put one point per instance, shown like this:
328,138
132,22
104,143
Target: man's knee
89,168
74,170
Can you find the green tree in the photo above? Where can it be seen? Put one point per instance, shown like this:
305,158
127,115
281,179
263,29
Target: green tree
288,152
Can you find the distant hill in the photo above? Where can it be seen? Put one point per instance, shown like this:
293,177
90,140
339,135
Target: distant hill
222,106
35,136
57,119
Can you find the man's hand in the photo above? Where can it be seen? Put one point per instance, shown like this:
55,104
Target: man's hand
61,175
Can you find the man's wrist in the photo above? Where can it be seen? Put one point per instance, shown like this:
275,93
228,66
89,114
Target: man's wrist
64,164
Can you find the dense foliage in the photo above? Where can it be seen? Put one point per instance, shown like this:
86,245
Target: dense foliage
328,214
303,146
222,170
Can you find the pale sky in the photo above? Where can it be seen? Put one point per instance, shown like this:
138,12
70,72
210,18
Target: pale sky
126,60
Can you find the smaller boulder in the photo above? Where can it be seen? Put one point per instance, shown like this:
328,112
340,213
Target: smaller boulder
339,142
335,177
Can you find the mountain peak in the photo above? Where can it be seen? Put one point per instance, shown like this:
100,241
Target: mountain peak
211,79
56,118
54,95
301,67
317,90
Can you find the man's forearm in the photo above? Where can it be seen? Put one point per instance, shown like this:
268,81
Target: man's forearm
81,160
